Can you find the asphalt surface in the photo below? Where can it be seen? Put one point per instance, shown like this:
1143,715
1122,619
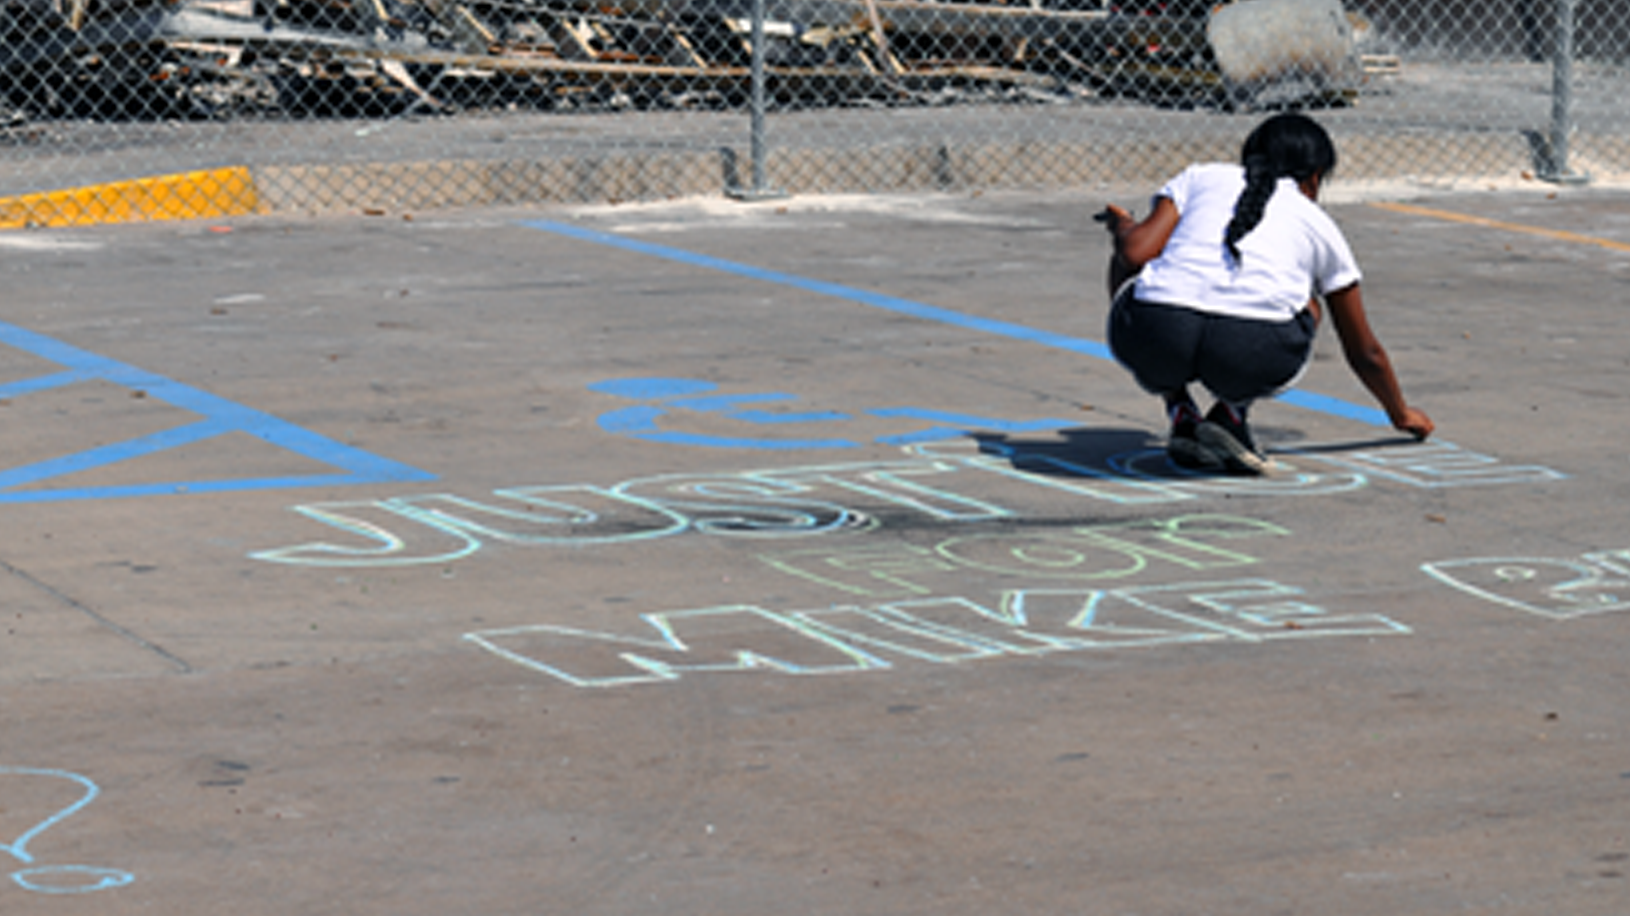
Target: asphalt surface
805,556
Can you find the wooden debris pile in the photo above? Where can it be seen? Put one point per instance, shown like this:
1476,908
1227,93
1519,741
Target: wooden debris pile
224,59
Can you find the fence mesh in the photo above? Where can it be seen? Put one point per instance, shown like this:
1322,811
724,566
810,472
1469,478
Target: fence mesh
145,109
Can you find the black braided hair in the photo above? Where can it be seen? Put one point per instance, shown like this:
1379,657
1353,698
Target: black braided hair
1288,145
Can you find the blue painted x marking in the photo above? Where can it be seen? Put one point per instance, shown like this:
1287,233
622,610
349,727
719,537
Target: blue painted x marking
218,417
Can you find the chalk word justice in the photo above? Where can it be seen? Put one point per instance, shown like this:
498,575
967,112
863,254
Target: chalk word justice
848,640
1595,583
811,500
56,879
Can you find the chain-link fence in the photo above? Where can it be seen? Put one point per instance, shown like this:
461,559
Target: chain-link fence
119,109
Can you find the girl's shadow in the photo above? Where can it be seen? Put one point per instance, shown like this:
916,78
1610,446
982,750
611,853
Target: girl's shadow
1094,452
1078,451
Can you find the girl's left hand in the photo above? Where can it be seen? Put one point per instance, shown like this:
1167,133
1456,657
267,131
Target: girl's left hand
1113,218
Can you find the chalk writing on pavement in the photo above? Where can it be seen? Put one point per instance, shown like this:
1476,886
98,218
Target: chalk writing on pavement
46,878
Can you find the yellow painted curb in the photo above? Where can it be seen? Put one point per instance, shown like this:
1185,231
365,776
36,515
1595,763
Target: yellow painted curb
189,195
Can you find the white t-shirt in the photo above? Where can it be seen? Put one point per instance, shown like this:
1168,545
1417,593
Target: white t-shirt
1296,251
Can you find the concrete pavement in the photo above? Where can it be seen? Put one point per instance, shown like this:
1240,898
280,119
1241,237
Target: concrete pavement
797,557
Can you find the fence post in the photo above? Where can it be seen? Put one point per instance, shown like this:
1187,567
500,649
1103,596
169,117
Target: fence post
756,144
1558,170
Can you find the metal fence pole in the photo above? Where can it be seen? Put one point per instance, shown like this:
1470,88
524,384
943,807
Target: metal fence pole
1562,97
756,140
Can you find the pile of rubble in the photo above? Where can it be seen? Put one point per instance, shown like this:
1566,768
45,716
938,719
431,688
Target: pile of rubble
228,59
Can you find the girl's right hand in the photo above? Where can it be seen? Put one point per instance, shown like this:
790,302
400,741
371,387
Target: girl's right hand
1415,422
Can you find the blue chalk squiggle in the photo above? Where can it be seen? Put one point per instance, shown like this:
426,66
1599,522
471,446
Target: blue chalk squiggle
86,878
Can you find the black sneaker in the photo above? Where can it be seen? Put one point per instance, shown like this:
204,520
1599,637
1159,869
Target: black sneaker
1226,434
1183,446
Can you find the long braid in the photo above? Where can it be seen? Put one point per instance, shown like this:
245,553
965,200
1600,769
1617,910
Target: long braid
1260,181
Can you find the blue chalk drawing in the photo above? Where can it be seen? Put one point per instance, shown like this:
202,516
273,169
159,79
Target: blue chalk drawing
218,417
59,879
674,395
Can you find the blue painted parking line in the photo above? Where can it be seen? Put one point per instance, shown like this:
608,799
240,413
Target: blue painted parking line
1306,400
44,383
219,417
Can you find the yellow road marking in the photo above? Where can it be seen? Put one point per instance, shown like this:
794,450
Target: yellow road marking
1509,227
189,195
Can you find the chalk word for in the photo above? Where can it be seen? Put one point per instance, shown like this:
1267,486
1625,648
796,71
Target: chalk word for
1596,583
848,640
1114,550
58,879
812,500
